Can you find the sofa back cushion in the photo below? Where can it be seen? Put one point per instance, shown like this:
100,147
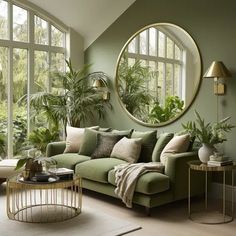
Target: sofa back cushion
74,138
127,149
177,144
162,141
148,142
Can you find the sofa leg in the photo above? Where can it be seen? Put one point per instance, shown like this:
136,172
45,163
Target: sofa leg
148,211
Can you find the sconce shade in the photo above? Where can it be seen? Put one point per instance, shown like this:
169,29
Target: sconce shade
217,70
98,83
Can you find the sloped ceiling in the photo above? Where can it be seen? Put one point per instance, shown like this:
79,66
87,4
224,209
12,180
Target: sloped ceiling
90,18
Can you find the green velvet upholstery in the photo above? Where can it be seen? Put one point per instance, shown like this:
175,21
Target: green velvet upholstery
69,160
163,139
88,144
126,133
97,169
148,142
148,183
55,148
177,170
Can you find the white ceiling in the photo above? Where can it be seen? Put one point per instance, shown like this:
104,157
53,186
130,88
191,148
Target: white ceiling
90,18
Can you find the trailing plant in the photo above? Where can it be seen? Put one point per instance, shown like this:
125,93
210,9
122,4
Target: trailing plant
2,145
132,80
173,106
79,101
208,133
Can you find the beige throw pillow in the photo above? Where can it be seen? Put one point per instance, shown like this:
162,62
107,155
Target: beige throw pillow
127,149
74,138
177,144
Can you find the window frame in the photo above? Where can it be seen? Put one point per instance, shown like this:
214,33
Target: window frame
31,47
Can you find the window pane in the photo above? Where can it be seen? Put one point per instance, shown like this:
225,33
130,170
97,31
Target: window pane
3,19
143,42
177,80
132,46
161,87
152,86
170,48
3,101
161,44
20,64
169,81
152,42
131,61
57,37
177,52
40,71
20,24
40,30
57,65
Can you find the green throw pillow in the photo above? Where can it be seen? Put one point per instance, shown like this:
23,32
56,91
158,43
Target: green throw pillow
126,133
105,144
88,144
148,142
105,129
160,144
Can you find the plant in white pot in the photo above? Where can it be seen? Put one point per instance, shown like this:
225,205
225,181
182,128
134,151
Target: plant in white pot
208,134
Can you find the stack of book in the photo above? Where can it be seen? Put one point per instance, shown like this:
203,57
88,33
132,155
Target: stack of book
220,163
62,173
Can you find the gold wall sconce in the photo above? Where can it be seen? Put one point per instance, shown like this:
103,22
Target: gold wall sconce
217,70
100,84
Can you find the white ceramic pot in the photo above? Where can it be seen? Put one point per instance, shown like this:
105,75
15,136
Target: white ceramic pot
204,152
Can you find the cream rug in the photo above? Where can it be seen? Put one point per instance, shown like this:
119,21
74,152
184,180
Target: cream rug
89,223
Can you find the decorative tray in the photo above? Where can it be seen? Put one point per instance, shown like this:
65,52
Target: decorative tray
51,179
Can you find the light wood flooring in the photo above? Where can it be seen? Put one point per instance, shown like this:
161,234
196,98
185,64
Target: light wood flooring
167,220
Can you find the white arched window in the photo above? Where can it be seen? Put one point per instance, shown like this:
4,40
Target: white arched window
32,47
162,52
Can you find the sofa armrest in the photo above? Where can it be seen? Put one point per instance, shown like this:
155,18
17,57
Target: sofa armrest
177,170
55,148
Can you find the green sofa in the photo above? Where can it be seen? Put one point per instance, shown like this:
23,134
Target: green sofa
152,189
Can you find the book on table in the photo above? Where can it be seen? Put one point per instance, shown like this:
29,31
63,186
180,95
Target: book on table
220,163
62,173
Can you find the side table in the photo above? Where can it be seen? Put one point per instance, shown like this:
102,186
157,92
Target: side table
211,217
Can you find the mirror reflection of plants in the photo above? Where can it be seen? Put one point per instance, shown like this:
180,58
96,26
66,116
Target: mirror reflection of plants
76,104
132,81
159,113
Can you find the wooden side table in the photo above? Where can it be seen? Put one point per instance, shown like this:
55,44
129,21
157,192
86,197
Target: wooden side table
211,217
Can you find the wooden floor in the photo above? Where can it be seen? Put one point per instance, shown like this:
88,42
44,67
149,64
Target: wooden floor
168,220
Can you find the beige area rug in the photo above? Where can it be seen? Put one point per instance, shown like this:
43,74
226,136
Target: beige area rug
89,223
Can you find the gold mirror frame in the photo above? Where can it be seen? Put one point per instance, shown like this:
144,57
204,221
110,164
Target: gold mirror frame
198,77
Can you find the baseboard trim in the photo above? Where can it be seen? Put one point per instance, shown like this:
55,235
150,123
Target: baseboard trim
217,193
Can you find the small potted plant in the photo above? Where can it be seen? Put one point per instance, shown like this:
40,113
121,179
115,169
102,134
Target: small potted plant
33,162
208,134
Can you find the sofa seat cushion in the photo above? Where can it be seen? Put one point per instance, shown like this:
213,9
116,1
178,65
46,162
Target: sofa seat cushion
69,160
148,183
97,169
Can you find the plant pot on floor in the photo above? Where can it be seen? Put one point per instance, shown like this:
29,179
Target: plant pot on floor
205,151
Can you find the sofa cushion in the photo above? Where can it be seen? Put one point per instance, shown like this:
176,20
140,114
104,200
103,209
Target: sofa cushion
148,183
127,149
97,169
105,144
74,138
69,160
126,133
162,141
177,144
148,142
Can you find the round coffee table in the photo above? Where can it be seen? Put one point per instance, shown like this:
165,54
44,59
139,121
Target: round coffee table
40,202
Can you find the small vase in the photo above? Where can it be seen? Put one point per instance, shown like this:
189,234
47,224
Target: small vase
205,151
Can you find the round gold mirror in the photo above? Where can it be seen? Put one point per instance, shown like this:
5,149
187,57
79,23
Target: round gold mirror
158,74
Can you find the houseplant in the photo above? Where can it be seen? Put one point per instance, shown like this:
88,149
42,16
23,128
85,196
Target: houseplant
79,101
208,134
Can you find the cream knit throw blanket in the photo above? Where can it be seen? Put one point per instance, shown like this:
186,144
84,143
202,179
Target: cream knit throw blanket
127,175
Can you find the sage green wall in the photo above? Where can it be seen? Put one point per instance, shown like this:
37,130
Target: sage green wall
212,24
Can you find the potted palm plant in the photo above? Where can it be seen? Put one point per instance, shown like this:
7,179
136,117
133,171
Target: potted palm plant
208,134
79,101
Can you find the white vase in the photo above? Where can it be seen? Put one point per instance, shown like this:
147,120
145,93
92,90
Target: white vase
204,152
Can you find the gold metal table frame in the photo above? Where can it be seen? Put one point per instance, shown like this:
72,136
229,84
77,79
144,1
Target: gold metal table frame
43,202
218,217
